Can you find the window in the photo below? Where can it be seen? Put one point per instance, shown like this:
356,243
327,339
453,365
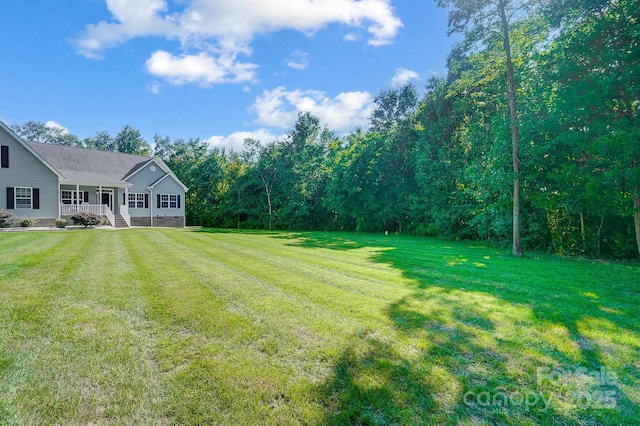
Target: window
71,197
23,198
4,157
168,201
137,201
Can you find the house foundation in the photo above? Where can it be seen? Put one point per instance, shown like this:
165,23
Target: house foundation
159,221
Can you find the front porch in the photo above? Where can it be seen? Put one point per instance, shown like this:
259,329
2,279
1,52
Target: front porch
96,199
120,220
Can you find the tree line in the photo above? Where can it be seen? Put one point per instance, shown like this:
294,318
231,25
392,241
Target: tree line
128,140
532,136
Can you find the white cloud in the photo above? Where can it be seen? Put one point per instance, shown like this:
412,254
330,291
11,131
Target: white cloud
57,126
403,76
219,30
346,111
351,37
299,60
154,87
134,18
235,140
202,68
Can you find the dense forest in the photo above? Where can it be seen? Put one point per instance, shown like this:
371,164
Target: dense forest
531,140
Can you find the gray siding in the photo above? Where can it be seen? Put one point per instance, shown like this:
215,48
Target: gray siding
25,170
168,186
143,179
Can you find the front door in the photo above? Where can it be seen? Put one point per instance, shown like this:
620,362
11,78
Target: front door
107,198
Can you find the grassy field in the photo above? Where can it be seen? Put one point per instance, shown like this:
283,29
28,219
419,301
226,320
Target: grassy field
164,326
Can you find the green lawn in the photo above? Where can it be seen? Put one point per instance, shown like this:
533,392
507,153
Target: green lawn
164,326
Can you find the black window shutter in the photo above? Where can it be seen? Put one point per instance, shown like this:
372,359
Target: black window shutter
146,201
36,198
124,199
158,200
86,196
10,198
178,201
4,157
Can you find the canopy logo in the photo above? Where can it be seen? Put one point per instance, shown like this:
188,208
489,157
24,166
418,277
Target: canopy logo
594,389
588,389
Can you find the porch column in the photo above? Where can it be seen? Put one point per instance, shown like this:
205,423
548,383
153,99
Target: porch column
100,197
59,200
150,206
77,198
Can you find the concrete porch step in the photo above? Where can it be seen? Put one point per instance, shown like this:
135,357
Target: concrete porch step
120,223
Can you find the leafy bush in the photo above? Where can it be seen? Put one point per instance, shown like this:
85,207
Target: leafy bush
28,222
7,220
86,219
430,230
61,223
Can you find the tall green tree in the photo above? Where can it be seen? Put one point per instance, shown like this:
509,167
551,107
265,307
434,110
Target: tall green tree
184,158
264,172
101,141
441,205
480,21
162,147
305,175
393,108
209,188
373,177
130,141
233,213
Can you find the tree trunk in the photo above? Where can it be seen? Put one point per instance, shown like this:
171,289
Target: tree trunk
636,214
266,188
599,233
269,202
513,112
582,233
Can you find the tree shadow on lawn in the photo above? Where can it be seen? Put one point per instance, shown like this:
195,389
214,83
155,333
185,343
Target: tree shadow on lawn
489,339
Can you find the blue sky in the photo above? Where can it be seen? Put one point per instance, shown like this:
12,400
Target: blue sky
219,70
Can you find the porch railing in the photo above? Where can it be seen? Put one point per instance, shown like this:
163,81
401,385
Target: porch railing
109,214
99,209
124,212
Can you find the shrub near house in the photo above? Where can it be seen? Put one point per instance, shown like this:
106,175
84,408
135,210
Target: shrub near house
86,219
7,220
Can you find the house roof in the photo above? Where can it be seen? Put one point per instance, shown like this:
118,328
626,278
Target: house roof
81,165
86,166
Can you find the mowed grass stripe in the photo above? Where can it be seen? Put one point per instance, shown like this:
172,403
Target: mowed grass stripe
108,320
